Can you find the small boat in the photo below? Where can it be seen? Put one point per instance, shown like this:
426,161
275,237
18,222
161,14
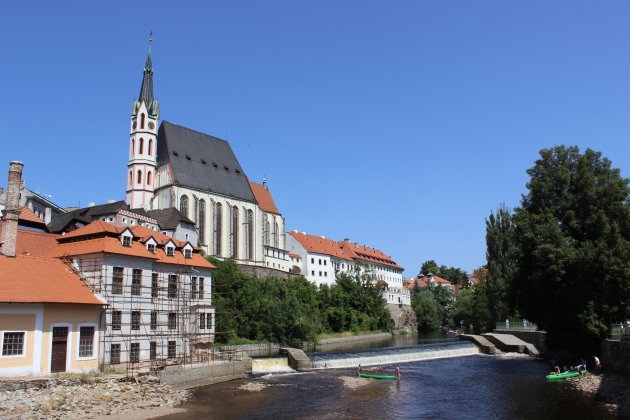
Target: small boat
372,376
565,375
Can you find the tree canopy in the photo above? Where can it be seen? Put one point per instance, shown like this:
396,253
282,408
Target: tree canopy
453,274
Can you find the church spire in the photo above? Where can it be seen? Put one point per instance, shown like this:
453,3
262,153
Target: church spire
146,90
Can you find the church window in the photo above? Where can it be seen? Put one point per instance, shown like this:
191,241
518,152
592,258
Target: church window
218,229
150,147
133,146
250,234
266,232
275,235
149,178
141,122
234,232
183,205
141,147
130,178
139,176
202,220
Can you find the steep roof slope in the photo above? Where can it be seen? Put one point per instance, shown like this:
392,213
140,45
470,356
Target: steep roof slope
264,198
202,162
320,245
169,218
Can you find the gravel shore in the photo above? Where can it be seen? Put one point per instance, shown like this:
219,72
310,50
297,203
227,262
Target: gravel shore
610,390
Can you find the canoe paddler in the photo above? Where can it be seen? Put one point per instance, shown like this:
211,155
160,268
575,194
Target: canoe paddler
397,373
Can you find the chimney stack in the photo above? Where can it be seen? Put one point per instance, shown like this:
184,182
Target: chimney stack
12,209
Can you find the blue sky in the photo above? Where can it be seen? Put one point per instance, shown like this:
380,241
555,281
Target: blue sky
399,125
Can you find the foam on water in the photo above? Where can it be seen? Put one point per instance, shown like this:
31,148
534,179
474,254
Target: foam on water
271,365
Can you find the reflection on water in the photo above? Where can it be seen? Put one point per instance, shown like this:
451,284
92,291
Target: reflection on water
474,387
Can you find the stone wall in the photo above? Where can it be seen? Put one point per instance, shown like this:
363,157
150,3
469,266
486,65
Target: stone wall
537,338
403,316
265,272
615,356
185,377
253,350
351,338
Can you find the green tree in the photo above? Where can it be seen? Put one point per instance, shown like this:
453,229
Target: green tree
429,313
501,255
573,232
429,266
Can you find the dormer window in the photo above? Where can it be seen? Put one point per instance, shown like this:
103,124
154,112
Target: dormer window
170,251
188,253
151,248
126,240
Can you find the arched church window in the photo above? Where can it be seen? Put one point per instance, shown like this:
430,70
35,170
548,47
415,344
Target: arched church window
276,238
202,221
130,178
149,178
234,232
218,230
141,145
141,120
133,146
139,180
183,205
150,147
266,232
250,234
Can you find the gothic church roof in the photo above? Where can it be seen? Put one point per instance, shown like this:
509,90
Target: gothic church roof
202,162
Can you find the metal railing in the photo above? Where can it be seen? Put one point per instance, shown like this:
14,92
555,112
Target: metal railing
516,325
620,332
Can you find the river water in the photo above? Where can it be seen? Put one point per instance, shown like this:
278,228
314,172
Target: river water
472,386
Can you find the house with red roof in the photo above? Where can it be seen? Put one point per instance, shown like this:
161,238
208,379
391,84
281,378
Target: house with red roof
49,317
432,280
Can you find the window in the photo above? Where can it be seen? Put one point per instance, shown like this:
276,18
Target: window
276,237
116,320
324,262
134,353
124,220
188,253
154,285
126,240
86,341
209,321
250,234
266,232
172,320
193,289
172,349
152,350
202,321
312,260
13,343
312,272
130,178
141,149
234,232
183,205
170,251
200,290
150,147
136,282
172,286
117,281
114,354
139,177
319,261
142,120
133,147
153,320
320,274
149,178
202,221
325,273
218,229
135,320
151,248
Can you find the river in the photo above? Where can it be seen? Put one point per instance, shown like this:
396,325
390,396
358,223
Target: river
473,386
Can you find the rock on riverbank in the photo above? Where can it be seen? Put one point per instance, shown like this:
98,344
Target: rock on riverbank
84,398
609,389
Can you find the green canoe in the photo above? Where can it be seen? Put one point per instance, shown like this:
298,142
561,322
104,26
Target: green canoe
565,375
369,375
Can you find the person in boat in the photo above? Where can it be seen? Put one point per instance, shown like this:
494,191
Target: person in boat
581,366
556,370
397,373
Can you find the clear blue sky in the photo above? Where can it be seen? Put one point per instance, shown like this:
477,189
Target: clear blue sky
399,125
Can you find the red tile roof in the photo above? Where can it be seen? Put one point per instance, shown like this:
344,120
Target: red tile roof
31,243
109,245
42,280
320,245
365,253
424,281
296,256
27,215
264,198
93,229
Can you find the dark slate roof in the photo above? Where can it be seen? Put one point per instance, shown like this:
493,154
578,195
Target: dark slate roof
146,90
60,221
202,162
85,215
101,209
168,219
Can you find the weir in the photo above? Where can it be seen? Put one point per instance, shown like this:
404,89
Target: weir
271,365
390,355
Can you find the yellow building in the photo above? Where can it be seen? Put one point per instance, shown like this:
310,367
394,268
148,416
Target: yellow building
50,320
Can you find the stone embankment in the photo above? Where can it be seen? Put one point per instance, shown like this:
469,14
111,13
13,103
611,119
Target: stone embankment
609,389
84,398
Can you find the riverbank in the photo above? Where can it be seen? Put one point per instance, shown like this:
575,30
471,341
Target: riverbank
609,389
57,398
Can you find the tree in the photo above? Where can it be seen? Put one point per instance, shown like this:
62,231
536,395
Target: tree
573,234
428,311
453,274
429,266
501,255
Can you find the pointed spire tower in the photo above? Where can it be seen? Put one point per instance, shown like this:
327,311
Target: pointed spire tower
143,142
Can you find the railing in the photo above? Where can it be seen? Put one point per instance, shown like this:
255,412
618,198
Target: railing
516,325
620,332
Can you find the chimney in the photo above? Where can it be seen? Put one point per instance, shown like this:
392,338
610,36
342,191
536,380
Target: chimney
12,210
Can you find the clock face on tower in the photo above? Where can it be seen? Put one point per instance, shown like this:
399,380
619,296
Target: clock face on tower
151,125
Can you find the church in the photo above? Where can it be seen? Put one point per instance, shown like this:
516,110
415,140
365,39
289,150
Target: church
171,166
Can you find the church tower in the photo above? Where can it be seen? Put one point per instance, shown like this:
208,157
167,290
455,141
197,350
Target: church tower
143,143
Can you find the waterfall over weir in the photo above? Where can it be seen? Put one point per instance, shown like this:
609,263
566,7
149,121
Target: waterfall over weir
390,355
271,365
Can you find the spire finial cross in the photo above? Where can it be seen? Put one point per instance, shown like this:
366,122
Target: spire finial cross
150,38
